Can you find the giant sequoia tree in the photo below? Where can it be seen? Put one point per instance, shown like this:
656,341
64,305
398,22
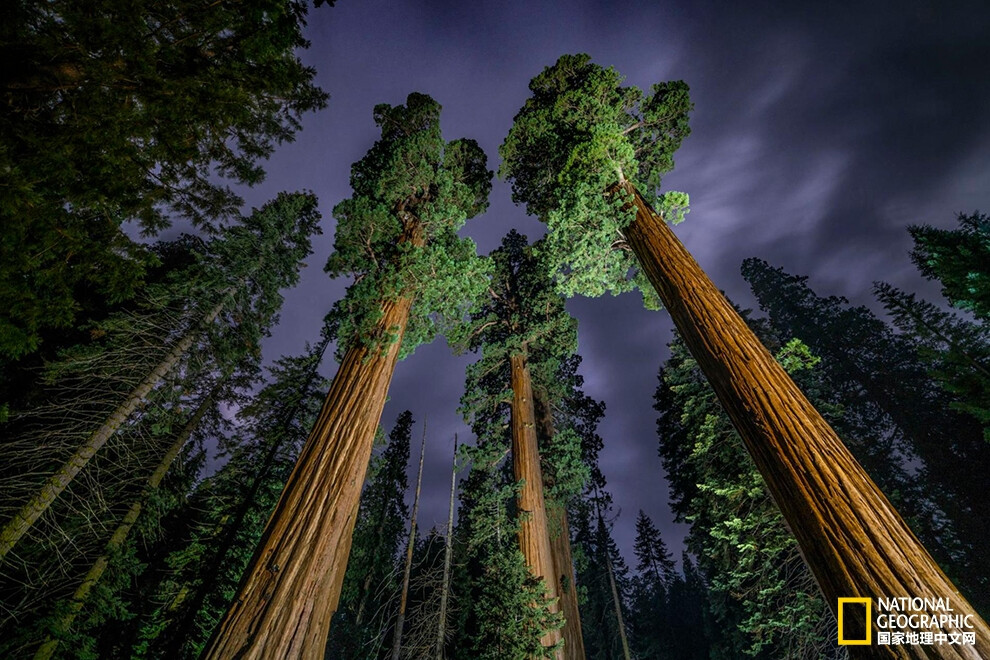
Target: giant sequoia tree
586,155
524,334
413,276
116,111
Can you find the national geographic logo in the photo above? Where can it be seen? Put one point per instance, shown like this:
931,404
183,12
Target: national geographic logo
855,621
902,621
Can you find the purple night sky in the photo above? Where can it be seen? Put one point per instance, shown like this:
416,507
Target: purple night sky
819,135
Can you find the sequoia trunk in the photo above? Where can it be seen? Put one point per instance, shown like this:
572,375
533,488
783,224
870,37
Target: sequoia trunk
291,588
19,525
534,538
852,538
560,547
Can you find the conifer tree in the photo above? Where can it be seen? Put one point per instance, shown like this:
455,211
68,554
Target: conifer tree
586,156
503,609
229,509
958,259
128,111
234,298
413,277
761,594
524,333
955,350
655,574
884,368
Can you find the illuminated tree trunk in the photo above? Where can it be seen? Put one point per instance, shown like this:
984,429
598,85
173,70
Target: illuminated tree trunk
407,570
852,538
292,586
123,530
19,525
560,548
534,538
618,607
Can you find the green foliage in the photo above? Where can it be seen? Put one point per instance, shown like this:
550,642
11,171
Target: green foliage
760,591
397,234
578,135
123,111
226,514
955,350
959,259
901,424
503,610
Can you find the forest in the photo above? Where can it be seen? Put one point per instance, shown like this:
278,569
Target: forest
209,450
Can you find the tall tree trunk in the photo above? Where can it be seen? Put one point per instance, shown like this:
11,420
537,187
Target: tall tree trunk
120,534
618,606
407,570
22,521
534,537
448,553
560,546
291,588
230,526
852,538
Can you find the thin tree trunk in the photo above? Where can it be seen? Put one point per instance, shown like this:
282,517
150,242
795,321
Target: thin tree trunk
401,618
22,521
618,607
448,553
120,535
560,546
852,538
534,536
290,591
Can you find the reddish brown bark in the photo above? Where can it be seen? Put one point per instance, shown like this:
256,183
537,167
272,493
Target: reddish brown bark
534,537
560,546
852,538
291,589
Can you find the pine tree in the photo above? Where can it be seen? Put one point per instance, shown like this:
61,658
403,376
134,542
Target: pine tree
413,277
504,612
958,259
127,111
225,515
955,350
235,299
655,574
582,153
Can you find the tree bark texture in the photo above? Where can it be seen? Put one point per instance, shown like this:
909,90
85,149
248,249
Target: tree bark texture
852,538
407,569
560,545
534,537
19,525
48,648
292,586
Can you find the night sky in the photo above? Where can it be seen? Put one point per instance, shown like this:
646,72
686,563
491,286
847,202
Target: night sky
819,135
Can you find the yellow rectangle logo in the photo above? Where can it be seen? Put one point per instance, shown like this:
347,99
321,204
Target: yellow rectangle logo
869,632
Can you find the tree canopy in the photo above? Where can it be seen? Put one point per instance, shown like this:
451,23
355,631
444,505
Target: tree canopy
580,133
397,234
